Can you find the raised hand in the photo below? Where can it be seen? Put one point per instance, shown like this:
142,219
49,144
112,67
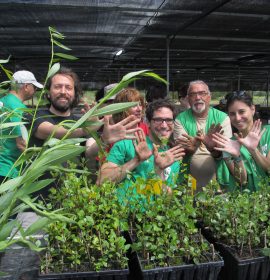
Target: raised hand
141,147
226,144
189,143
124,129
252,140
208,138
167,158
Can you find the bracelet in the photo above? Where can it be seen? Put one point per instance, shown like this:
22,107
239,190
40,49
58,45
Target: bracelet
237,159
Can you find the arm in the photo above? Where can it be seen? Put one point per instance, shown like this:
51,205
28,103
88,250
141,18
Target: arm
117,173
47,129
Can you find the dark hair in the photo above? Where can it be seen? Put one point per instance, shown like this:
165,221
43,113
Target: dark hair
155,92
157,104
242,96
127,95
100,94
77,84
182,92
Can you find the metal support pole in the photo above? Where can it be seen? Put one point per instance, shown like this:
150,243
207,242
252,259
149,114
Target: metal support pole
267,93
168,64
239,79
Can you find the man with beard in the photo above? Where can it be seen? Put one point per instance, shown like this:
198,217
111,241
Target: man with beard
194,129
147,157
64,94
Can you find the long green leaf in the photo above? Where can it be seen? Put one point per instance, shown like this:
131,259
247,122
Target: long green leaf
11,124
10,184
4,61
6,230
114,108
60,45
66,56
155,76
38,225
33,187
5,202
55,68
133,75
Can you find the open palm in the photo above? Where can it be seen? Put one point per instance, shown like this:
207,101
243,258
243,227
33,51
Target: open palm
252,140
226,144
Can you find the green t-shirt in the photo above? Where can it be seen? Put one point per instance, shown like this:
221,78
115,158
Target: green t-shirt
123,151
9,152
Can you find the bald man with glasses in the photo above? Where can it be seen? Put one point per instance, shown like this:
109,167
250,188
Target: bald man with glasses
194,129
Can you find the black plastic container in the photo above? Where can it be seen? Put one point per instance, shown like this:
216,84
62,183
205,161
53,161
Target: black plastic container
203,271
257,268
101,275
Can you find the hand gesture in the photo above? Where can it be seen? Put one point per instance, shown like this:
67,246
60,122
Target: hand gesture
208,138
167,158
189,143
122,130
226,144
141,147
252,140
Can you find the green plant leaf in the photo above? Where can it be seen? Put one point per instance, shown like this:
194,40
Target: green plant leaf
38,225
10,184
60,45
53,69
7,229
4,61
66,56
155,76
114,108
33,187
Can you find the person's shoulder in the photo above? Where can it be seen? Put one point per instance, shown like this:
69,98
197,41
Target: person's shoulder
217,111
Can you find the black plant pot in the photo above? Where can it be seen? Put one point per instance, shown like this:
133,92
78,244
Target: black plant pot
19,263
203,271
257,268
101,275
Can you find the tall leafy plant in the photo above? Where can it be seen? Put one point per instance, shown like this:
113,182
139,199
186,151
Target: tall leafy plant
16,194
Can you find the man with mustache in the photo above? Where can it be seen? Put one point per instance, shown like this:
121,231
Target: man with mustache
64,93
194,129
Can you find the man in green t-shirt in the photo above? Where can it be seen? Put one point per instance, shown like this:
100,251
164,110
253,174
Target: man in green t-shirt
147,157
23,87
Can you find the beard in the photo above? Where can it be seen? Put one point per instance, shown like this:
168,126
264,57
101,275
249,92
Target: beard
199,110
62,107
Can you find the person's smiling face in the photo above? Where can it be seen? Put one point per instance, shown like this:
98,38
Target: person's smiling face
241,115
62,92
162,123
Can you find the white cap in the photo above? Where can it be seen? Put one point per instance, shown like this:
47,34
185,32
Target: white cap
25,77
108,88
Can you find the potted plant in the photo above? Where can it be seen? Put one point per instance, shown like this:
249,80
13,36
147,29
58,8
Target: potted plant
92,246
238,223
165,241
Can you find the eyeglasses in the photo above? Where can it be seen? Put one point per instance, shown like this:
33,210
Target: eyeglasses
159,121
200,93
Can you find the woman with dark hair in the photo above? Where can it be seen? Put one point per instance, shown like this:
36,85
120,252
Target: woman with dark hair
247,154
